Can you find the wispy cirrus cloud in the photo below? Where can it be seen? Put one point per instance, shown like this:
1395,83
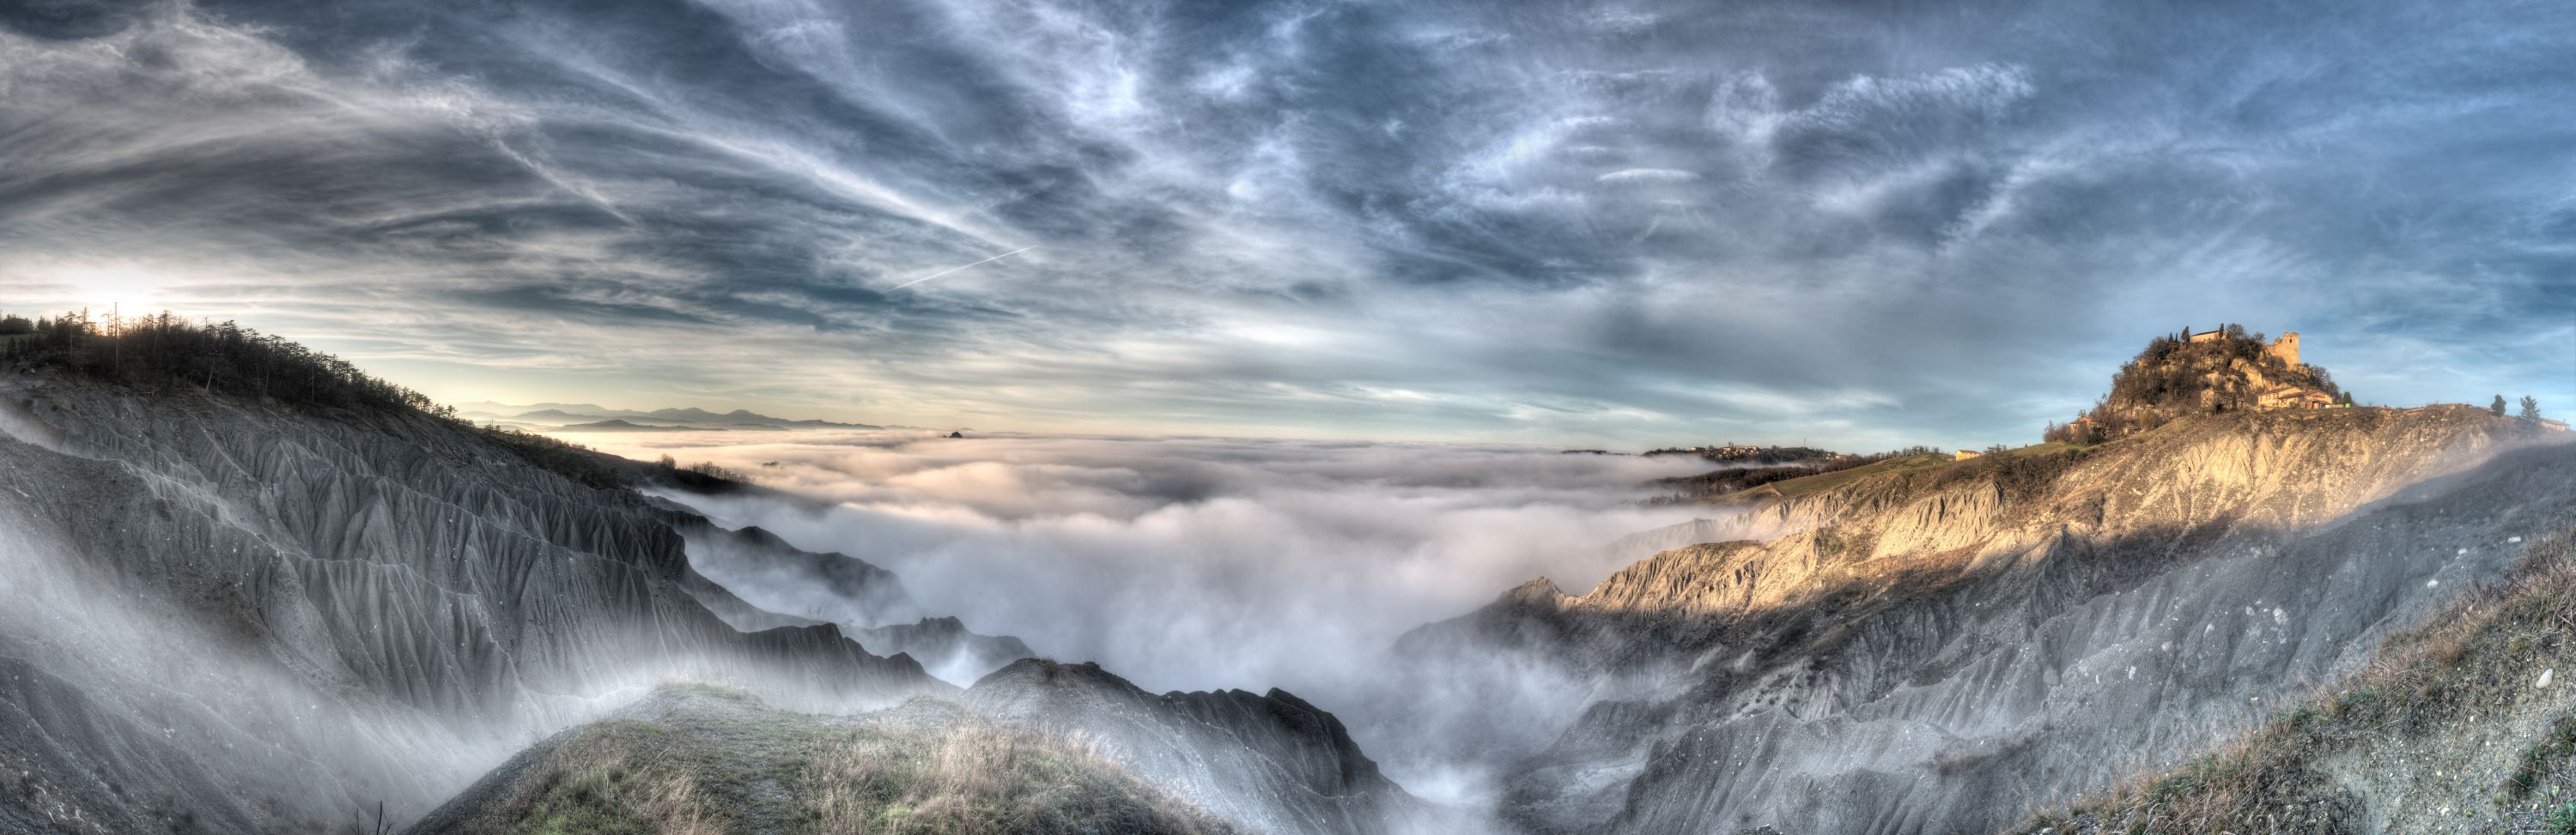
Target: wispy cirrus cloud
1861,226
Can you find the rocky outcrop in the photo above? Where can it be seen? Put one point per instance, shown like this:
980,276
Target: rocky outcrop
1270,762
946,648
1938,650
754,580
768,573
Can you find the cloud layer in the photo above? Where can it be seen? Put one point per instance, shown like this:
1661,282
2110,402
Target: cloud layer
1197,563
1192,563
1862,224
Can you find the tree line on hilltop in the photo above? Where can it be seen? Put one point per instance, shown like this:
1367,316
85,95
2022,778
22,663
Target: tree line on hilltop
2530,415
1738,479
163,350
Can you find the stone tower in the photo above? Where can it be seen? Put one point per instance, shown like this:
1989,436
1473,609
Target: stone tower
2286,347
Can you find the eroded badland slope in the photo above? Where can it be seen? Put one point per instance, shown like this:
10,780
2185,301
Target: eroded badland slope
1948,648
233,615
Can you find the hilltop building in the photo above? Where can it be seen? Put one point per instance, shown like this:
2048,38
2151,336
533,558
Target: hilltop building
2293,393
2286,348
2199,371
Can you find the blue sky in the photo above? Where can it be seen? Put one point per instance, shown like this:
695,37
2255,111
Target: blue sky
1855,224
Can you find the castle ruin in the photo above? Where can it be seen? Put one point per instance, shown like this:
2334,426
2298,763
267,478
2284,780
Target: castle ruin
2285,348
2248,382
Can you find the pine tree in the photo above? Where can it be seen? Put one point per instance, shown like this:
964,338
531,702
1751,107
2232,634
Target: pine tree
2497,408
2530,411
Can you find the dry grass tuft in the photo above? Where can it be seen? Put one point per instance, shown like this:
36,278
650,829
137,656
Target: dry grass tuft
612,778
979,778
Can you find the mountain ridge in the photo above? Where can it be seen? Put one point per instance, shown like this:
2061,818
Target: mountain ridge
252,616
569,415
1761,641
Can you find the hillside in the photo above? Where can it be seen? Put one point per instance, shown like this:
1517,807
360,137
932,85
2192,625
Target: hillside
709,761
242,613
267,616
2460,726
1269,762
1947,645
248,613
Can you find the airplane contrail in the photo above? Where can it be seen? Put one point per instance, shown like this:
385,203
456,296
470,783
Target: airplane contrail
954,269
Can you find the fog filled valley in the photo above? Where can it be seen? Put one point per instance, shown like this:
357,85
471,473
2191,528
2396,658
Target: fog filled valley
341,607
1209,564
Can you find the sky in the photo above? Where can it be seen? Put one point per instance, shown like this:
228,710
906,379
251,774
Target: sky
1852,224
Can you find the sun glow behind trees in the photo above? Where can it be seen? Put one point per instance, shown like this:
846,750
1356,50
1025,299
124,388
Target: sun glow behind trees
109,289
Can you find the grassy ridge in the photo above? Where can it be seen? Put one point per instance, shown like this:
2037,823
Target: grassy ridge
1813,483
709,760
166,356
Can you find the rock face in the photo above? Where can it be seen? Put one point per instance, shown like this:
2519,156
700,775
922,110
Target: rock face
1270,763
241,618
754,580
768,573
1941,650
946,648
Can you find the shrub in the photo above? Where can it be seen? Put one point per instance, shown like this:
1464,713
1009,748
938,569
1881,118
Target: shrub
217,358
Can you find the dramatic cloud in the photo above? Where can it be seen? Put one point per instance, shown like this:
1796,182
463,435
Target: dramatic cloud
1861,224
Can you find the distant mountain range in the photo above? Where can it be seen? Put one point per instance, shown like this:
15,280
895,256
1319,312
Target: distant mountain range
588,417
620,425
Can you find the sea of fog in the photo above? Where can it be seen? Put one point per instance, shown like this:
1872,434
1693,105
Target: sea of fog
1191,563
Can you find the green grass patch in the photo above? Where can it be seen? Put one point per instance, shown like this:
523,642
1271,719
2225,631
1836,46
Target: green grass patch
1827,481
2543,757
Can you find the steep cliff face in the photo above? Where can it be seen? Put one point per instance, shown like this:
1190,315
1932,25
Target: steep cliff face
1937,650
367,607
1271,763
